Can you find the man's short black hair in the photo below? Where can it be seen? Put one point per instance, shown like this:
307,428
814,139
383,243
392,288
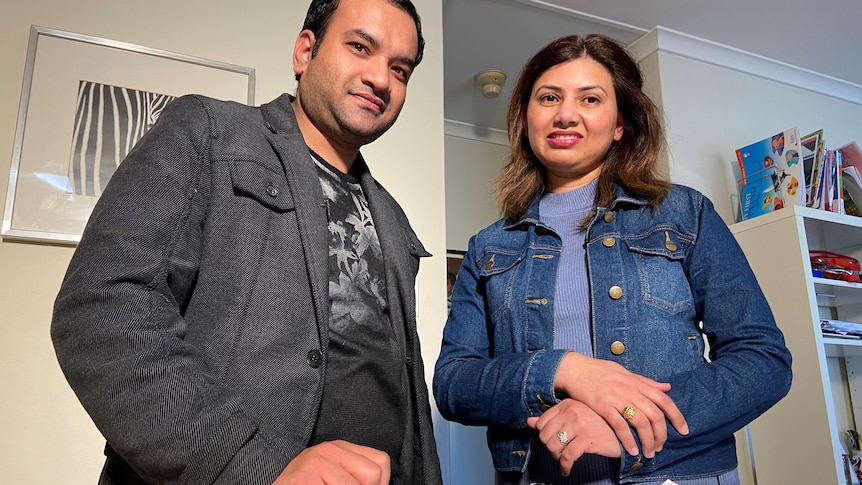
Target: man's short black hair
320,13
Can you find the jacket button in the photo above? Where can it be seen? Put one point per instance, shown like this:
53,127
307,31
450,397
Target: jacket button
314,358
609,217
615,292
637,466
670,245
544,407
617,348
272,191
490,263
608,242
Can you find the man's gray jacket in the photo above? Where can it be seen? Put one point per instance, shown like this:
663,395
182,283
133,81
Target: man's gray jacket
193,320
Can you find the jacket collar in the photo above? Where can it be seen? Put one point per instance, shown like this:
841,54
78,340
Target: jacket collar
278,115
279,118
531,217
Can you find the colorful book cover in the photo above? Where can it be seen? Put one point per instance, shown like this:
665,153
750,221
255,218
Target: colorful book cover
771,174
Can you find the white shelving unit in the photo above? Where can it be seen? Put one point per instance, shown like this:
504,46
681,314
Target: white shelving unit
799,440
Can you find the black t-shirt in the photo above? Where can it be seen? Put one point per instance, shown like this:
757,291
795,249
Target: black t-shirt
364,393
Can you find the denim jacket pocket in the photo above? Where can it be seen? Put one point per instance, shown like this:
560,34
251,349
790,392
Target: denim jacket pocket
498,269
267,187
660,259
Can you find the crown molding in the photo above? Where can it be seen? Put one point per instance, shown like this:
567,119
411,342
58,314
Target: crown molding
558,9
661,39
475,132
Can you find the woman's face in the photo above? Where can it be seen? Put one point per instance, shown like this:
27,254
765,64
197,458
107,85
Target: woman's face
571,122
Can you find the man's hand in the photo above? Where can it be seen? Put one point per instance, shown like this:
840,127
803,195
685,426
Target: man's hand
337,462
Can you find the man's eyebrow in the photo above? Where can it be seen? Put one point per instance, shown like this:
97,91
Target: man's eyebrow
365,35
411,63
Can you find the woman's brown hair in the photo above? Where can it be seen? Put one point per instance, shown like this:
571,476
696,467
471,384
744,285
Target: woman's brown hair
631,162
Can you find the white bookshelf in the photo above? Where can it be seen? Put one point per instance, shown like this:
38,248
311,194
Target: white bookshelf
798,441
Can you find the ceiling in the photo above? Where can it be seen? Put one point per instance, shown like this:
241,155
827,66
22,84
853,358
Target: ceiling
821,36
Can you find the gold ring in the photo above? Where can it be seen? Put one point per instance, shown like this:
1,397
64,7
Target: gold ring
629,412
563,437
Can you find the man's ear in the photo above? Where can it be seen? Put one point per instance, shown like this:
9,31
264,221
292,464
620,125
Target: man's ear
302,51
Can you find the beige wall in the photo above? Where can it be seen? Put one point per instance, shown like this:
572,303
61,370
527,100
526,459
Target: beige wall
47,437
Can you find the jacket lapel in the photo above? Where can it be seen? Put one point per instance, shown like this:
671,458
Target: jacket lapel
302,178
392,243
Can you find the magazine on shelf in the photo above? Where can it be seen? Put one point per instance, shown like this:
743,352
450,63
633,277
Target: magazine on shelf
832,180
838,191
853,188
852,155
771,174
819,201
828,179
812,160
851,161
841,328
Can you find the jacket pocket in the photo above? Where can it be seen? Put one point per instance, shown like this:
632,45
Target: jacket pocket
261,184
498,271
660,258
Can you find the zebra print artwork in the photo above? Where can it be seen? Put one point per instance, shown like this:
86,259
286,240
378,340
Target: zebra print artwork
109,120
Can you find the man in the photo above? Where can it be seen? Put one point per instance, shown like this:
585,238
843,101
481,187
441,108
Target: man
241,306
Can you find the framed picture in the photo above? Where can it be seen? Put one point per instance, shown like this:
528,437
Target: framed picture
85,101
454,258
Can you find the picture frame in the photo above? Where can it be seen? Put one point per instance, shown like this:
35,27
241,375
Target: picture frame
84,101
454,259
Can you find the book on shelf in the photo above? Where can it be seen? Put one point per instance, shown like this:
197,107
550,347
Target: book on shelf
852,155
812,160
771,174
836,183
830,190
851,161
852,190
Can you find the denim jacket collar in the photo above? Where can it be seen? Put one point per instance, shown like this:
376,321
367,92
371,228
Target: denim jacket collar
531,217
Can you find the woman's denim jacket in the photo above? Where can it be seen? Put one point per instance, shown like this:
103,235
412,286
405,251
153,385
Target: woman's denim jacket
654,276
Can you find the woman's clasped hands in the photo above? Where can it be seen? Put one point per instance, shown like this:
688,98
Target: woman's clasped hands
604,403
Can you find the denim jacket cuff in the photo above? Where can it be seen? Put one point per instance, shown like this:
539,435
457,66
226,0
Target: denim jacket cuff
539,392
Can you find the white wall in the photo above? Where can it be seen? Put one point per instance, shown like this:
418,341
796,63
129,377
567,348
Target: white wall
47,437
471,164
718,99
704,135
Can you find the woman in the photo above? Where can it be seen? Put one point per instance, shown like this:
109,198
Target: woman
608,328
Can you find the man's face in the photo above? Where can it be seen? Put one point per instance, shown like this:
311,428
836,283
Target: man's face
354,88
